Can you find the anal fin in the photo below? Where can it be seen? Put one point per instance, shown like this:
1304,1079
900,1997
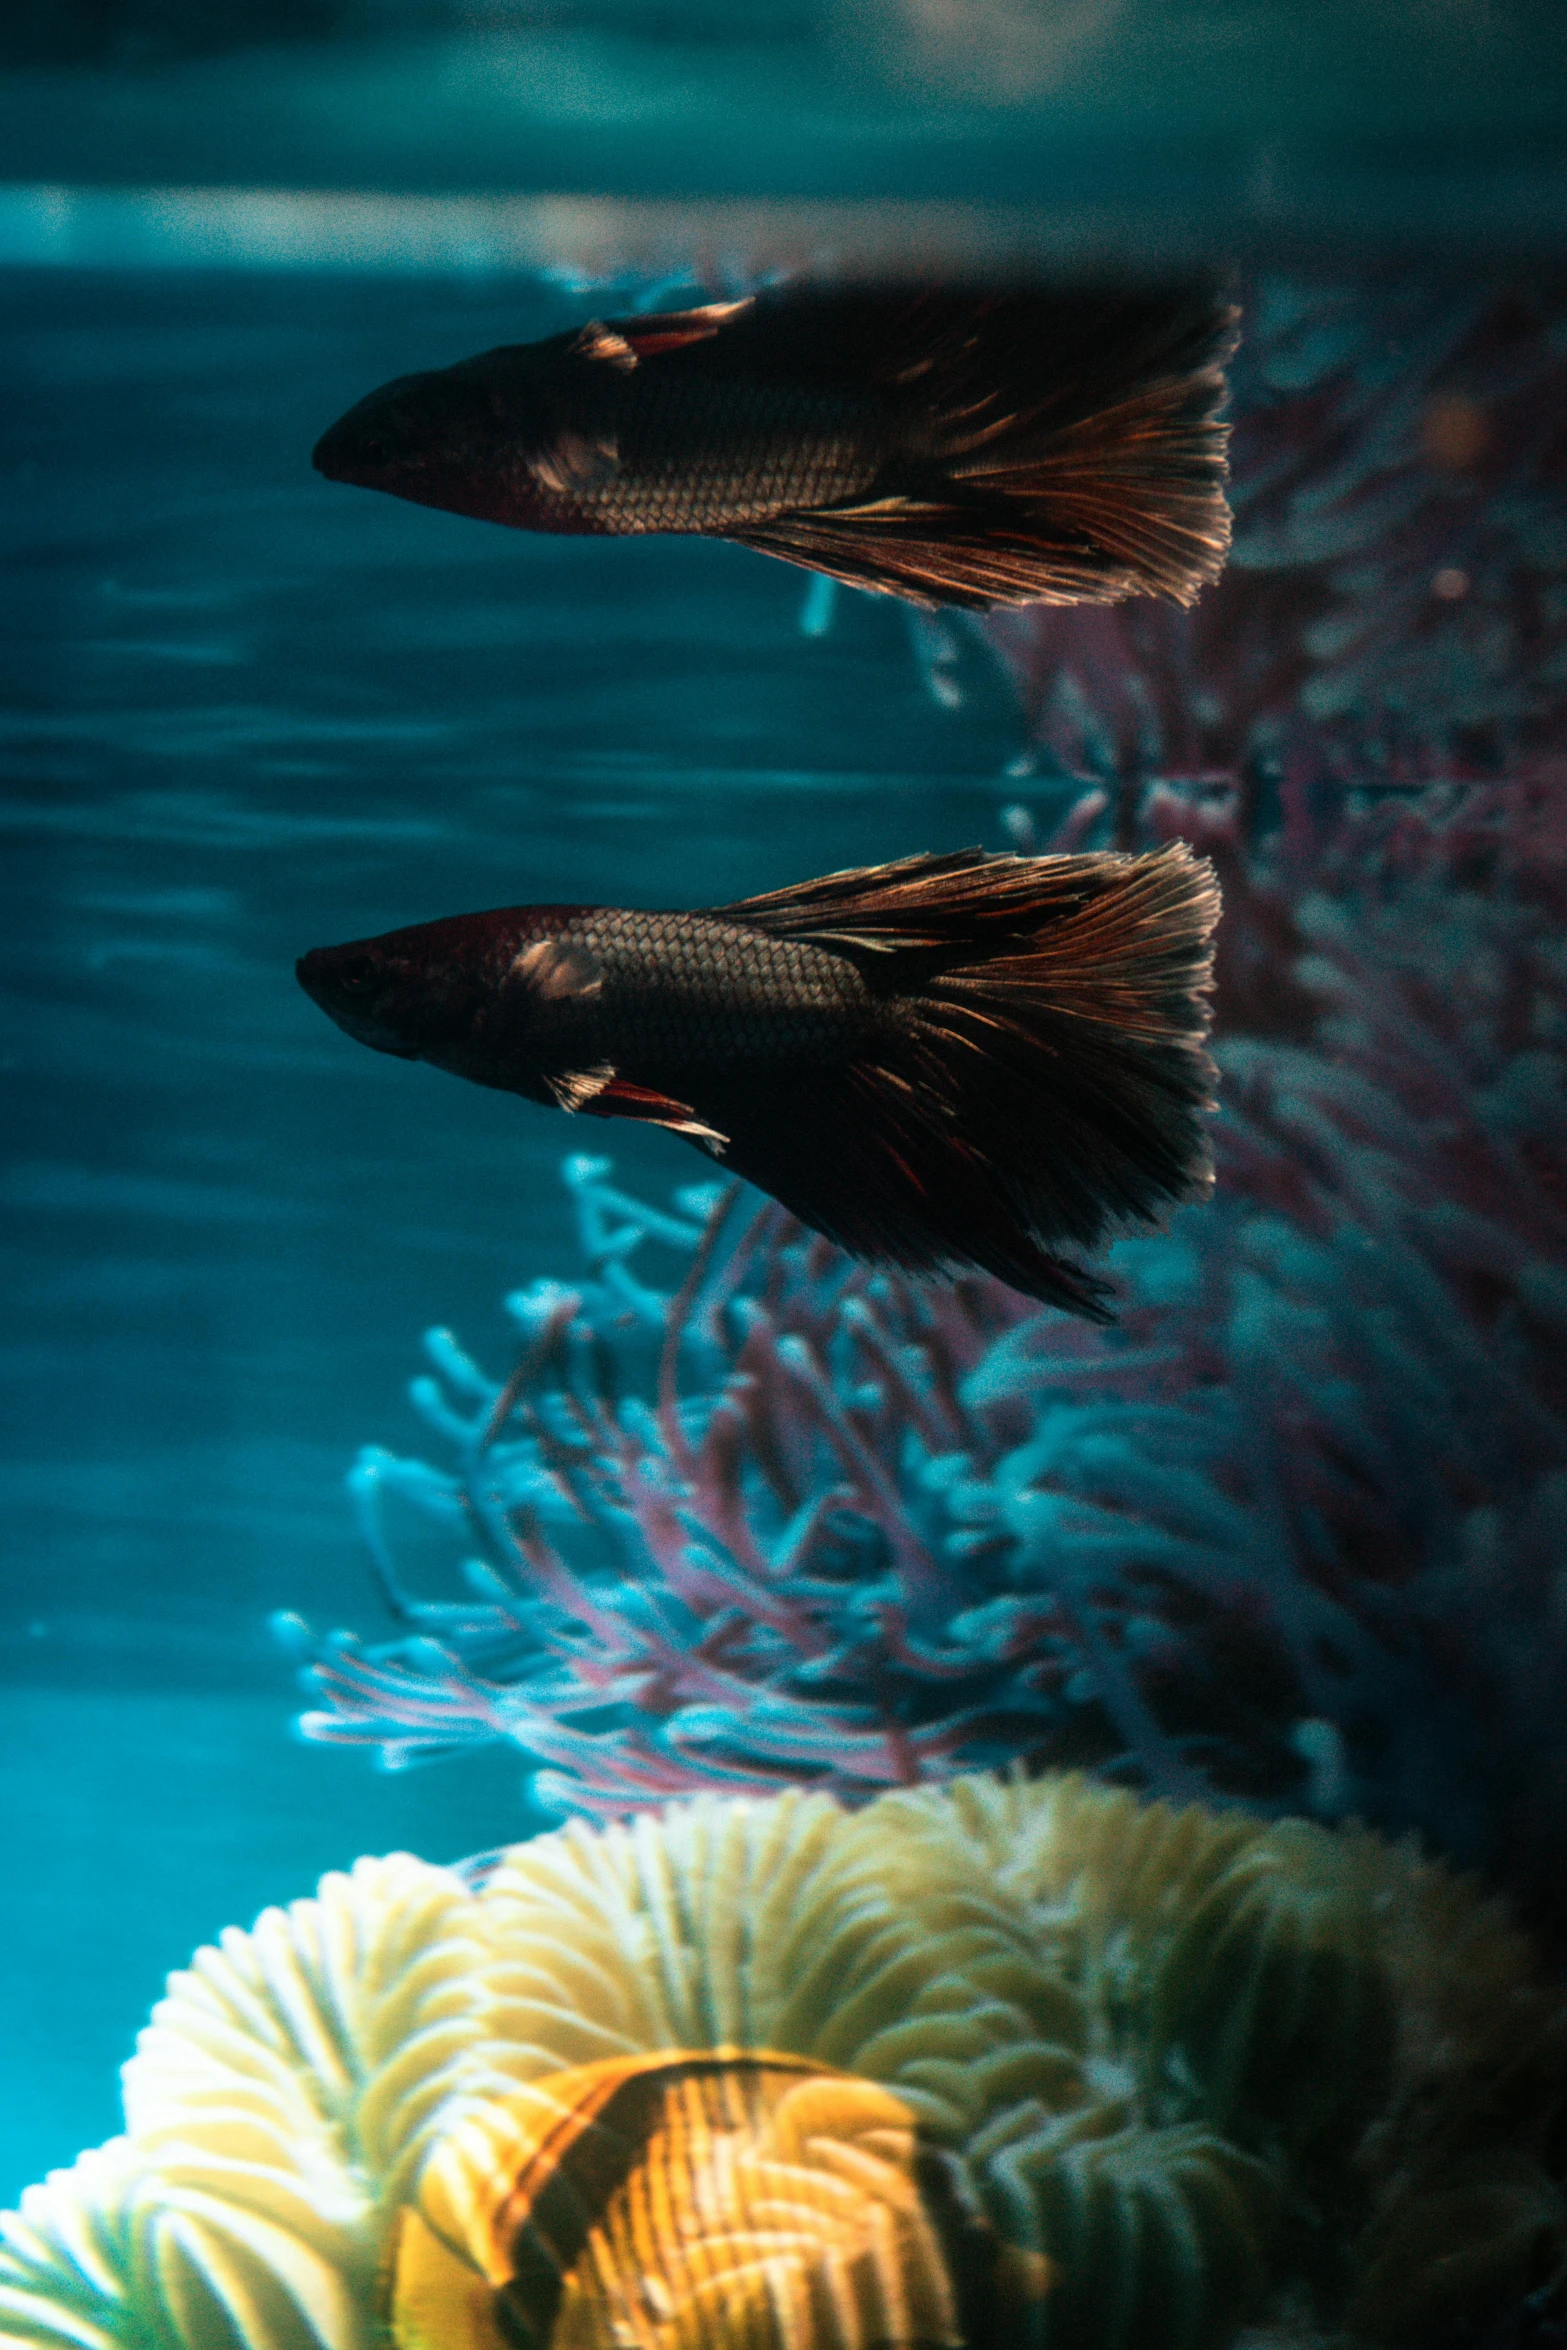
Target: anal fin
867,1156
1038,1086
933,555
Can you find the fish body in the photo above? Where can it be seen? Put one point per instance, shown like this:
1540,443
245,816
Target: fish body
945,447
943,1063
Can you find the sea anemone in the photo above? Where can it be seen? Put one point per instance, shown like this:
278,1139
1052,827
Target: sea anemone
1031,2061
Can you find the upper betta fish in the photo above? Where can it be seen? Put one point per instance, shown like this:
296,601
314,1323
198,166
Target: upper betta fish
948,447
947,1062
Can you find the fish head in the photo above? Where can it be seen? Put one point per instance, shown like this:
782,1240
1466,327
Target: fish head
421,994
460,438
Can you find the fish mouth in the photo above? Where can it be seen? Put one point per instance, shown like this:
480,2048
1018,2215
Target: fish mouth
316,976
333,984
349,456
379,435
369,460
362,445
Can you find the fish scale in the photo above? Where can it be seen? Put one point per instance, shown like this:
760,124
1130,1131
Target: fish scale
685,983
698,456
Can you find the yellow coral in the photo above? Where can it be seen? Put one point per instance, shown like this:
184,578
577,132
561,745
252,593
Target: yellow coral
1023,2061
574,2201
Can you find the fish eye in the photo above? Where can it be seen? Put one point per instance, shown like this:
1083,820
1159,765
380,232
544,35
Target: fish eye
357,975
376,453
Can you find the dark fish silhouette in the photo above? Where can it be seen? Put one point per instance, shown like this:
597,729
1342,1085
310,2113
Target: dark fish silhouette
952,448
947,1062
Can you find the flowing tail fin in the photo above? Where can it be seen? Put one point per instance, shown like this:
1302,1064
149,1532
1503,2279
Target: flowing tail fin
1039,1077
1075,454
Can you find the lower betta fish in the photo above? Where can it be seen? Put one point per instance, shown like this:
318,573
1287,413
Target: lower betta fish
947,1062
949,447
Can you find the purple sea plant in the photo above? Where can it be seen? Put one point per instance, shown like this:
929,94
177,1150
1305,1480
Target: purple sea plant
1382,1298
735,1577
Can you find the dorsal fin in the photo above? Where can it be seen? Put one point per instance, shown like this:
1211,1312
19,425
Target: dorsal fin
926,901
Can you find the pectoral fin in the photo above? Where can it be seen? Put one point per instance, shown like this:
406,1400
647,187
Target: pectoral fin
603,343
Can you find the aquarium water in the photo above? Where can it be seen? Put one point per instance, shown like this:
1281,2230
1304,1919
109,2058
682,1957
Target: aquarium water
1287,1542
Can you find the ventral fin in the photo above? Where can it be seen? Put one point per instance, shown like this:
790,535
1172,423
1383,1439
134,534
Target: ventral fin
557,969
618,1097
605,344
673,330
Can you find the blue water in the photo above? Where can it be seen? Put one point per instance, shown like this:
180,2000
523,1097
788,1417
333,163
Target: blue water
245,712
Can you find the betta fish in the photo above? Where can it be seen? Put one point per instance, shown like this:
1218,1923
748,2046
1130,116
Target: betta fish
944,1063
949,447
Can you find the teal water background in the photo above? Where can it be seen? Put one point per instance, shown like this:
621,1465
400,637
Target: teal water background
245,712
